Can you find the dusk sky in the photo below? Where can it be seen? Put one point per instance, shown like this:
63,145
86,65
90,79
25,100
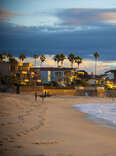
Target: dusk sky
54,26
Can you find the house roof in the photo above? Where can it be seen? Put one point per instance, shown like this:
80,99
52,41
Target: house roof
112,71
51,68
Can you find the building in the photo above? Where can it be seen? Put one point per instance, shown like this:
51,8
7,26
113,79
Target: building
110,78
61,75
82,74
111,75
25,75
7,68
107,80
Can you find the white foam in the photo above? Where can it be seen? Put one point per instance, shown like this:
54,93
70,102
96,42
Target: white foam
102,111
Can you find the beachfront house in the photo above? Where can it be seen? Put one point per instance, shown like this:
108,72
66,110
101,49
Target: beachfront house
25,75
110,79
58,74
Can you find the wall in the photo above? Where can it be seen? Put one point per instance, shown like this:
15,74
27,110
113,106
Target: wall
61,92
99,92
4,68
31,89
44,76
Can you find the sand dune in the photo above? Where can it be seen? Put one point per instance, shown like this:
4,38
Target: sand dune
52,128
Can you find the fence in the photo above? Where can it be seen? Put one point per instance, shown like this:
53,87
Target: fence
80,91
31,88
110,93
68,92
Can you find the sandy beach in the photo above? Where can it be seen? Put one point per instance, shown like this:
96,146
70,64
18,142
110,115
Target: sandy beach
52,128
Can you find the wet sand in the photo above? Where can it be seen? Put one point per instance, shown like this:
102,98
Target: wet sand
52,128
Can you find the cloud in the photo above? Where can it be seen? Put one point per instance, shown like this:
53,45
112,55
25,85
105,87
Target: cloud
63,20
6,15
82,39
109,17
34,39
88,16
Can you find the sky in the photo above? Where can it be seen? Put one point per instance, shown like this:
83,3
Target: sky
59,26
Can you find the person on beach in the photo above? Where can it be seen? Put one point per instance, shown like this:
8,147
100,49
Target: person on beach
45,94
35,96
42,98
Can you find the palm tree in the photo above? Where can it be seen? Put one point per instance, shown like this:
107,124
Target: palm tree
12,60
9,56
96,56
42,59
13,64
57,59
71,58
5,54
22,57
2,57
62,58
78,60
35,57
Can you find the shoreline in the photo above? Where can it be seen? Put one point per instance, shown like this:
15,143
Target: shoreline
64,131
101,122
104,122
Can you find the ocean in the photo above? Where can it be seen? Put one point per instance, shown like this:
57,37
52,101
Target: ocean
102,114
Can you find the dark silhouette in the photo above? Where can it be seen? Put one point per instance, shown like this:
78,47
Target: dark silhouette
57,59
96,56
22,57
62,58
71,58
35,96
35,57
78,60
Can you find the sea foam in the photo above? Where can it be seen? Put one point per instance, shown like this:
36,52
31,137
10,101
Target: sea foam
106,112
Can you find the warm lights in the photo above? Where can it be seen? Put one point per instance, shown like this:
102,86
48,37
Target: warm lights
26,80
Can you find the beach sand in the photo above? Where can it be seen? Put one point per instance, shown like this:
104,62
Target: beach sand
52,128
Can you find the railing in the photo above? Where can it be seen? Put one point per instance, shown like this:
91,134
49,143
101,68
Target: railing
110,93
31,88
80,91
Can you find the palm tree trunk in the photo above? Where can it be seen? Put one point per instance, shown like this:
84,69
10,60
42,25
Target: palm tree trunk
57,64
35,62
71,64
95,67
61,63
41,63
78,66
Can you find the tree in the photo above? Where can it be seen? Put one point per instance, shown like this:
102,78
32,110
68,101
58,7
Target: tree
62,58
12,60
22,57
78,60
2,57
57,59
13,63
9,56
71,58
5,54
96,56
42,58
35,57
9,80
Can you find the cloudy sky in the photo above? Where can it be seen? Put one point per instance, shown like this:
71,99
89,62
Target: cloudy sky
55,26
